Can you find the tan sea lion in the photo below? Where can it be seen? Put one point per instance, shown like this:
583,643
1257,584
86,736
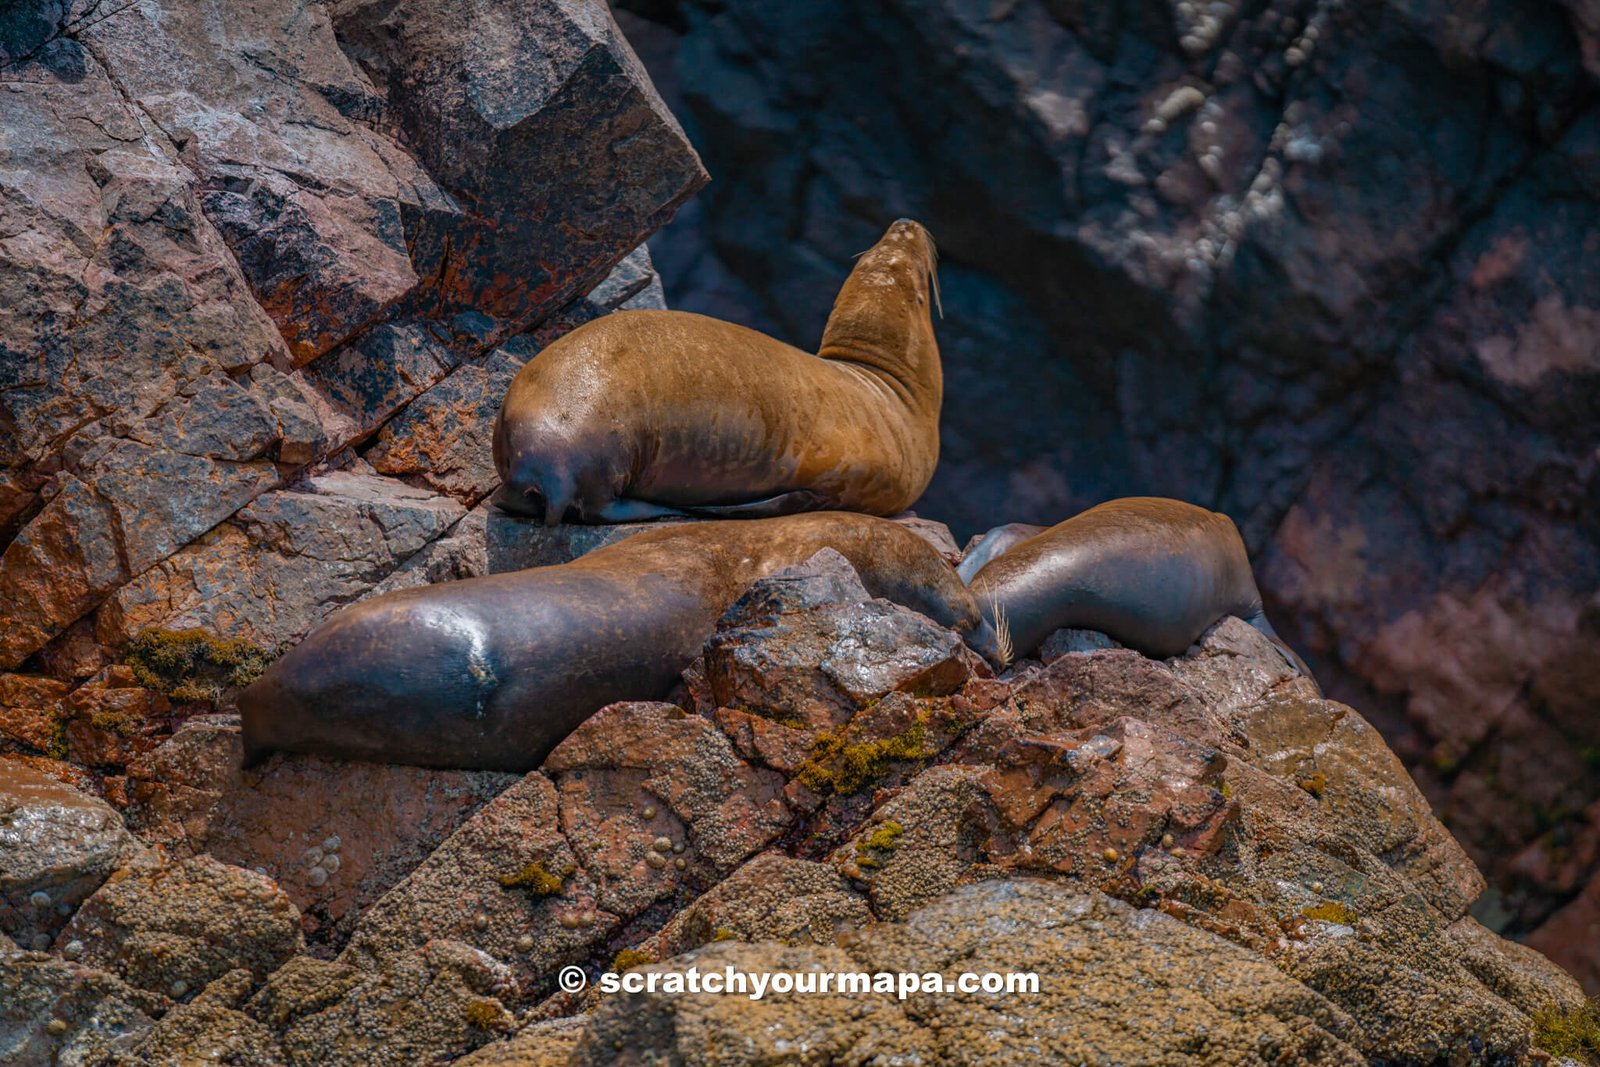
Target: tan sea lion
1150,572
646,413
491,673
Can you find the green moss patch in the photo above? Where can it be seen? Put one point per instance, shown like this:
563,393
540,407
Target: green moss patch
192,665
838,765
1574,1034
873,850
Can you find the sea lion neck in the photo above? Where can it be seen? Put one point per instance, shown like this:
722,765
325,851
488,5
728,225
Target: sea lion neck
881,319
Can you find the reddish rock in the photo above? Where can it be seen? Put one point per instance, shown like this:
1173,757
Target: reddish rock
516,105
32,710
442,439
112,720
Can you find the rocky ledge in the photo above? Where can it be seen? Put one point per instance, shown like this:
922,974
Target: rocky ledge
1203,861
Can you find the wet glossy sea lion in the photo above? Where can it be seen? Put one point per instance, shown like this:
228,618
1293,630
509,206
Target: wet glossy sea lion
646,413
1150,572
491,673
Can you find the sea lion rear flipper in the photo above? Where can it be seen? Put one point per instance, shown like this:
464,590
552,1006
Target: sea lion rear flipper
625,510
783,504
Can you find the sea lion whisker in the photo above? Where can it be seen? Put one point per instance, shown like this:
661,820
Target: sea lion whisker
1002,632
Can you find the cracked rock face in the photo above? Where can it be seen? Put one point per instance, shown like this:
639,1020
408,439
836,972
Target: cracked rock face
1329,268
238,239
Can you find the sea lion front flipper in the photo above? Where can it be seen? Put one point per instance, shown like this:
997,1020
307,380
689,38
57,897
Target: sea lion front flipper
773,506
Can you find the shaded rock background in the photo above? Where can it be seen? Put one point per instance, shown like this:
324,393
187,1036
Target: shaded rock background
1328,267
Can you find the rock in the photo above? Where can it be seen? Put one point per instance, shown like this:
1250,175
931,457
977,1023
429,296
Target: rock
1114,983
112,720
441,440
633,756
57,845
56,1012
315,549
771,898
807,648
207,1029
31,711
520,104
506,883
363,826
172,928
437,1002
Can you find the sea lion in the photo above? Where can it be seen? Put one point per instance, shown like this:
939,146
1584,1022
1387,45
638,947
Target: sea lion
641,414
491,673
1150,572
995,543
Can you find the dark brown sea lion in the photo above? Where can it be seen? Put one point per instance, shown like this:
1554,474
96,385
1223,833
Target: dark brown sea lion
1150,572
648,413
491,673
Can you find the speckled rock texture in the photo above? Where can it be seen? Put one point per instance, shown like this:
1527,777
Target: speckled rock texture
1328,267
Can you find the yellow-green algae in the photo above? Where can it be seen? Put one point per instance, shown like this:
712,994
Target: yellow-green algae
836,765
874,849
1574,1034
1330,912
192,665
631,957
535,879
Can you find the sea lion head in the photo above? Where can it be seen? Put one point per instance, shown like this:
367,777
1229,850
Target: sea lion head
882,319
